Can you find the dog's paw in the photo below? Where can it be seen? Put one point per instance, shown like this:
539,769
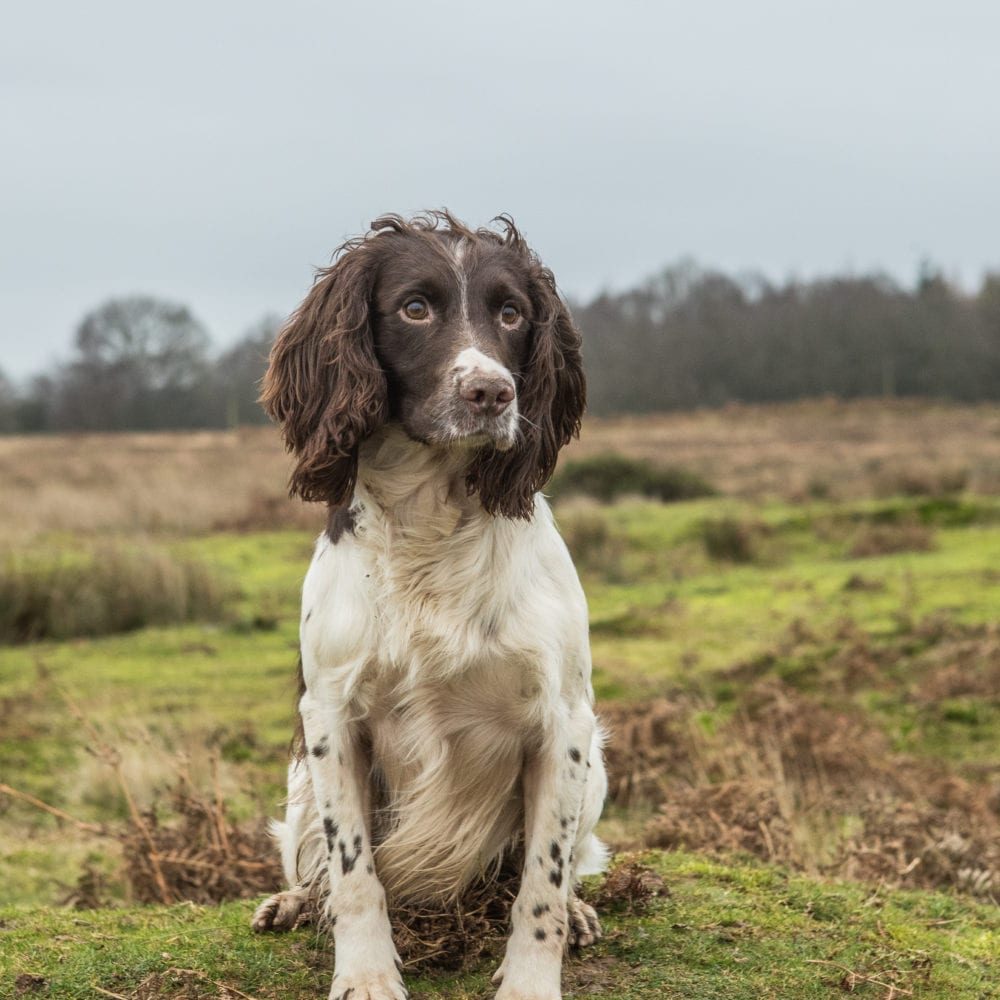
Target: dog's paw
369,987
284,911
527,986
583,926
526,993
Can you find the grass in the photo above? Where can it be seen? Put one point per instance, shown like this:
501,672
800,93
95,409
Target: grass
665,615
667,619
196,483
99,590
739,928
805,605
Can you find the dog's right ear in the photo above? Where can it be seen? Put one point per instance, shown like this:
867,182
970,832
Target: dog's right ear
324,385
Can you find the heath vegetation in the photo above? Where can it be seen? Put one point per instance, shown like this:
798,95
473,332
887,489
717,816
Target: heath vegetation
798,664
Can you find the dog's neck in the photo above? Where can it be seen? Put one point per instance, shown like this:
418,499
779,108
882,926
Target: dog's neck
417,489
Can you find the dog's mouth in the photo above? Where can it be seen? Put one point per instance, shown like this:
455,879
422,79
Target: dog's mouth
467,430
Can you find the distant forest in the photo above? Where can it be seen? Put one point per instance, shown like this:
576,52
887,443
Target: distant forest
687,338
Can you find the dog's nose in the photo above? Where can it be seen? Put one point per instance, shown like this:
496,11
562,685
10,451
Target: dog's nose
487,394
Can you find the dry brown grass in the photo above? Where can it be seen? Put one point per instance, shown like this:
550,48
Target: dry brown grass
173,483
795,780
191,483
819,448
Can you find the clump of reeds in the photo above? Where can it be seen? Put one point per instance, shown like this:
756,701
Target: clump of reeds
101,590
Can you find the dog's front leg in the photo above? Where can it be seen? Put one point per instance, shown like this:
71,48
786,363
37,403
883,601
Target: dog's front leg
366,965
554,781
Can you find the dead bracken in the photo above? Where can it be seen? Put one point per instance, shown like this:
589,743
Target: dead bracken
810,781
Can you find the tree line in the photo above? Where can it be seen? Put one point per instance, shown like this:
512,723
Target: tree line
687,338
140,363
692,338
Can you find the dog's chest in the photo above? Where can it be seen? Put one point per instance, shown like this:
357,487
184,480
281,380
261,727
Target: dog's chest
448,605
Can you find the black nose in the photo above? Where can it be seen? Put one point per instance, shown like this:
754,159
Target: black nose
488,395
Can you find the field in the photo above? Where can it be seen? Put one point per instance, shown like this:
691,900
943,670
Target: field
800,673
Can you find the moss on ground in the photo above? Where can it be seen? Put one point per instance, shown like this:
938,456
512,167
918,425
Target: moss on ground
739,930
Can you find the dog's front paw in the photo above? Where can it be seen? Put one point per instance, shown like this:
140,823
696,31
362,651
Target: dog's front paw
526,993
530,986
583,926
369,987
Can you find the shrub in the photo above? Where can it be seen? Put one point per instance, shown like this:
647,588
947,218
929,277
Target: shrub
595,548
607,476
730,540
101,591
888,539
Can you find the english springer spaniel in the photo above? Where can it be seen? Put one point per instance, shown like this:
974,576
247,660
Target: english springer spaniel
425,387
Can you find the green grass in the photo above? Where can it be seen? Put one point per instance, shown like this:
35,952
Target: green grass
668,618
739,930
665,615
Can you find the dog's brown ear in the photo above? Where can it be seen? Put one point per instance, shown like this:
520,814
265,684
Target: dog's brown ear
324,385
551,397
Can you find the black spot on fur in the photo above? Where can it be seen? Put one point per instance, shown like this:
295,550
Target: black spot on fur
348,861
574,755
322,748
539,909
339,521
539,934
564,822
330,829
309,614
556,875
559,932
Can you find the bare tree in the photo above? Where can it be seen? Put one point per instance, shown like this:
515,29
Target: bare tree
139,362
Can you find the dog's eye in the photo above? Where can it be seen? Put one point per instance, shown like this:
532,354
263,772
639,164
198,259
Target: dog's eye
416,309
509,314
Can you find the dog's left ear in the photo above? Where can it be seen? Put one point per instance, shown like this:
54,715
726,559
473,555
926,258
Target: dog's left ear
551,397
324,384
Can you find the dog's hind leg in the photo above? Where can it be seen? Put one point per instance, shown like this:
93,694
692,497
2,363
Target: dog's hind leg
284,911
303,858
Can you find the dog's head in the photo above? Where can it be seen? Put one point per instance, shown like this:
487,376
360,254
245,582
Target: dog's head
458,335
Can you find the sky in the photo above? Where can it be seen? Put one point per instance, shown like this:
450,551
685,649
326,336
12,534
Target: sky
215,153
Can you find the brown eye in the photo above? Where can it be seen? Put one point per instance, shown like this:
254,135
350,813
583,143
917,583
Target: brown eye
416,309
509,314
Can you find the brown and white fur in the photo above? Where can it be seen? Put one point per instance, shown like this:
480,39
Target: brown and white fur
425,386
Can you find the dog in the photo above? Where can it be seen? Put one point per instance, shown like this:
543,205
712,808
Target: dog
425,386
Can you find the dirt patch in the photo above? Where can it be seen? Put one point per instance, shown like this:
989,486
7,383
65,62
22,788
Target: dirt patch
28,984
182,984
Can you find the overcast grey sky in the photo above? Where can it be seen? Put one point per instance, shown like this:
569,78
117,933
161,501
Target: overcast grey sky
212,153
